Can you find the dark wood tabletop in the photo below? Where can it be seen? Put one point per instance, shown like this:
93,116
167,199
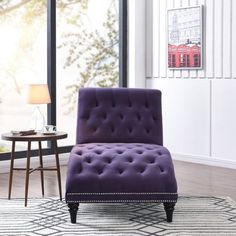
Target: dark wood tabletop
34,137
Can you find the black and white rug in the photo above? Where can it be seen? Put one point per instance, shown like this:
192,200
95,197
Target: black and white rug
193,216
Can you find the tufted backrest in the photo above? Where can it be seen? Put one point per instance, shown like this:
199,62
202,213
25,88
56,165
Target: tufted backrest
119,115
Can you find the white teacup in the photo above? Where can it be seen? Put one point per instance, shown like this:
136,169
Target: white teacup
50,128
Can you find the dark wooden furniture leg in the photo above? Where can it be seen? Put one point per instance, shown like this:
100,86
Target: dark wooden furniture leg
33,138
73,208
27,172
169,209
11,169
58,167
41,167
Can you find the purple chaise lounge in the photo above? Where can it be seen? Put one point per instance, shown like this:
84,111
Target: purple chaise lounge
119,155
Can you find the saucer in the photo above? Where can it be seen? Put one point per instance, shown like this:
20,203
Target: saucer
49,133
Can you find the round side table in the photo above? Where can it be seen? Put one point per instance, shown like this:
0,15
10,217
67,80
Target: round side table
39,137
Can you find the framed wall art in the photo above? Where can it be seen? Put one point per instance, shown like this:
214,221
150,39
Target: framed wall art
184,29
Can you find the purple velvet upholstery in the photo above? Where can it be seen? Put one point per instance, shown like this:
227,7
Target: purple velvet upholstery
119,154
145,171
119,116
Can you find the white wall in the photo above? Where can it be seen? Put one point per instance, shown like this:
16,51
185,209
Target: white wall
219,37
199,106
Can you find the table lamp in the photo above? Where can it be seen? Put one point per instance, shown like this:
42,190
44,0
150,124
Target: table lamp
38,94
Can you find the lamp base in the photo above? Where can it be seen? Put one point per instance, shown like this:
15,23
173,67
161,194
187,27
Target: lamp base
37,121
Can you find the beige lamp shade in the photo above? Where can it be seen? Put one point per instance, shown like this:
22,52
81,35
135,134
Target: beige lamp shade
38,94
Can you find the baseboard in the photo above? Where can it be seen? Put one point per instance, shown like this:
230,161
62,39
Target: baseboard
48,161
205,160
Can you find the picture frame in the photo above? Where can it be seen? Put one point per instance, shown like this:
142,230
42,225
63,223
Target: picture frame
184,38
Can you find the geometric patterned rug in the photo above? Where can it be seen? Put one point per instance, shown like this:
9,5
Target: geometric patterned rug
49,216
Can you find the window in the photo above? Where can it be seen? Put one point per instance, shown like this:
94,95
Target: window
196,59
87,54
88,50
188,61
23,28
182,59
169,60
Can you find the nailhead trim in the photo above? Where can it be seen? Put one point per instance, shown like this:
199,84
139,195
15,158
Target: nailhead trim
153,193
111,201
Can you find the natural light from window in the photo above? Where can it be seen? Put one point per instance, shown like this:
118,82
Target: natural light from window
23,53
87,55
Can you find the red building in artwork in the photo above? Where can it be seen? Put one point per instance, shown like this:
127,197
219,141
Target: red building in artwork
184,55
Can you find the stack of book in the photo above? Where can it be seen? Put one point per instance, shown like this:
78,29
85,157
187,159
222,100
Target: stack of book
27,132
24,132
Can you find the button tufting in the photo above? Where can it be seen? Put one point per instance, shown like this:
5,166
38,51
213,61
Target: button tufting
146,104
151,161
140,152
154,118
119,152
130,130
98,152
120,171
159,153
105,116
88,160
112,129
142,170
147,131
121,117
138,117
79,153
161,169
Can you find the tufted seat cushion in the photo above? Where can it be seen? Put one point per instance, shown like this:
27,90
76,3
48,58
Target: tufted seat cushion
120,172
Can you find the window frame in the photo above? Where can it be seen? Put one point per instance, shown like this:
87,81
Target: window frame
51,71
